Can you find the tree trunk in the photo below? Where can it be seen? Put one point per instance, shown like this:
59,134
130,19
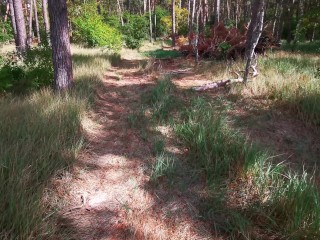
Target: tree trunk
30,6
21,42
36,20
173,15
61,53
13,22
155,20
45,17
217,12
254,33
144,6
120,13
197,34
150,21
5,18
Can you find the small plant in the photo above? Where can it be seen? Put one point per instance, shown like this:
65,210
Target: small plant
161,99
164,166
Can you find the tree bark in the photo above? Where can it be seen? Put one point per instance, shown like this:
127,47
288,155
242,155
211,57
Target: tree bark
21,42
120,13
173,15
61,53
5,18
45,17
30,6
150,20
13,22
217,12
36,20
254,33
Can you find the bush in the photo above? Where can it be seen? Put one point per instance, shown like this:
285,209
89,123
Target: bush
161,28
90,29
32,72
8,34
181,21
135,30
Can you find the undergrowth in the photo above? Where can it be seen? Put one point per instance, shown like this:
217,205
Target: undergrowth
250,196
40,135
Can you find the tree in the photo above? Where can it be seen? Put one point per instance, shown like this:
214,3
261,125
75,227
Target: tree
21,38
35,8
217,11
254,33
45,16
173,15
13,22
61,53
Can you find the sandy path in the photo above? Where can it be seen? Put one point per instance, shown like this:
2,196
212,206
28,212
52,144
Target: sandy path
110,196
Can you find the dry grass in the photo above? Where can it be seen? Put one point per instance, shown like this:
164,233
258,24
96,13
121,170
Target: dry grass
41,135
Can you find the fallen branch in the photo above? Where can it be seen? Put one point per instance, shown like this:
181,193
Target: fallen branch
223,83
181,71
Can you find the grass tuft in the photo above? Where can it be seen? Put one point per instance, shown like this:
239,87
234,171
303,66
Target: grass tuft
161,99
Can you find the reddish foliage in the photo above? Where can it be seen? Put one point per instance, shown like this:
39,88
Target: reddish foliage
234,38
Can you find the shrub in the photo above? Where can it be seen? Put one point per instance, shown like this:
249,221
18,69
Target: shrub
181,21
33,71
7,35
90,29
135,30
161,27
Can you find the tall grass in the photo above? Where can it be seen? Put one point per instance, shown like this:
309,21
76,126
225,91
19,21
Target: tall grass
161,99
41,134
290,81
287,202
252,195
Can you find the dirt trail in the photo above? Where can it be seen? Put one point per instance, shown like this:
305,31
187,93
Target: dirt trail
110,196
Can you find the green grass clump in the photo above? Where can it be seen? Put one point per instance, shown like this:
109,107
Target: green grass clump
161,99
159,53
164,166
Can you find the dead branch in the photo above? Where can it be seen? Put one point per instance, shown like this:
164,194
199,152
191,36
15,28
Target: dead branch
226,82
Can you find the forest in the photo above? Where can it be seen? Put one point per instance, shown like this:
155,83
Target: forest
159,119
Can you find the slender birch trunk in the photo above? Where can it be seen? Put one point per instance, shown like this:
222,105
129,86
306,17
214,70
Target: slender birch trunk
36,20
254,33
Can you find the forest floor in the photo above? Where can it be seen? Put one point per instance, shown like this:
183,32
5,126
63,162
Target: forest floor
110,194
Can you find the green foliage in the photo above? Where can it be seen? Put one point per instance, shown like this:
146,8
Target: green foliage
31,72
135,30
6,35
112,21
181,21
90,29
161,29
159,53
